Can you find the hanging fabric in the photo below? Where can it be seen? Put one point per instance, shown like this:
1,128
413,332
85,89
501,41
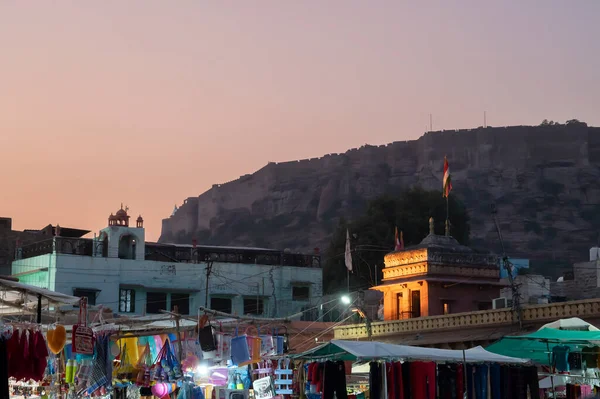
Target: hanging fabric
6,333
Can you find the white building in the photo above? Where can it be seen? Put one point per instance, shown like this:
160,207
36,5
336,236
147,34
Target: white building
121,271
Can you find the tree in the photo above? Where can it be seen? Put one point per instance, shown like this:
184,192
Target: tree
574,122
372,234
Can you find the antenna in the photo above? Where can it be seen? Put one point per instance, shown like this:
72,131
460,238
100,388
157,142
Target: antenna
430,122
484,119
516,305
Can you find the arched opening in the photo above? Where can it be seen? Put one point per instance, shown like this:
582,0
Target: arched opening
105,247
127,246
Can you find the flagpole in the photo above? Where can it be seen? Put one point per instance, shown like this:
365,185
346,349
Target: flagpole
447,215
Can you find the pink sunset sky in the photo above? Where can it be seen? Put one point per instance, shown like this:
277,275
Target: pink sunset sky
150,102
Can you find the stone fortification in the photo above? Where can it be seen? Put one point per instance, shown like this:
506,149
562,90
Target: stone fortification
542,179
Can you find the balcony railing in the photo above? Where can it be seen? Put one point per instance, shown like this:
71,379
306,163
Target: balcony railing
85,247
486,318
60,245
232,255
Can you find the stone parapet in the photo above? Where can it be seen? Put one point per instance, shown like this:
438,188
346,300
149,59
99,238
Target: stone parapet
460,321
435,256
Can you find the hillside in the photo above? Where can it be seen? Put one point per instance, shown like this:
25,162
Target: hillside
544,181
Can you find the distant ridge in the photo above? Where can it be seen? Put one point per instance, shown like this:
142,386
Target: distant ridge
543,180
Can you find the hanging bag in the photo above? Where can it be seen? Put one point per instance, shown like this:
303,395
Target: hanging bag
125,370
223,342
169,363
143,367
207,339
254,346
267,345
281,342
240,352
156,371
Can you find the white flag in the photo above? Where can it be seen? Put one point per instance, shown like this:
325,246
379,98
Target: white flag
348,252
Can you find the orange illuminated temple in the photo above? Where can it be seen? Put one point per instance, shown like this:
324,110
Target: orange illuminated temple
439,276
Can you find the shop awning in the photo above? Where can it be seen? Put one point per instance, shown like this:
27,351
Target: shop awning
19,298
537,346
365,351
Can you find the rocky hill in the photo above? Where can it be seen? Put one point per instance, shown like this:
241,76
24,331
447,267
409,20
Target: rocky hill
544,181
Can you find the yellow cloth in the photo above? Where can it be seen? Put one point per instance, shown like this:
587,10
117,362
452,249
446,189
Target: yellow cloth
131,347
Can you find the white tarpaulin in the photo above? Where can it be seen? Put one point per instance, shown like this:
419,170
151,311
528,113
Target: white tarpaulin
572,323
18,298
363,350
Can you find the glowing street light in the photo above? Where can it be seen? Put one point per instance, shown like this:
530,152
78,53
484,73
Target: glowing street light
346,300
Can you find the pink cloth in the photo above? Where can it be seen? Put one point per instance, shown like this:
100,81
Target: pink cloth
586,390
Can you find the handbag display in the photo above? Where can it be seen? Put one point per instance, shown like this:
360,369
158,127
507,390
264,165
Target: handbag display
207,339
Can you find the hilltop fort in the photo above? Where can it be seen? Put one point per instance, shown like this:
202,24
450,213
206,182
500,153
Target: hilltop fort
543,181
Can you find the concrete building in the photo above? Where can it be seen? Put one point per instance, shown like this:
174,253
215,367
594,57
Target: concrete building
118,269
11,239
533,289
582,282
438,277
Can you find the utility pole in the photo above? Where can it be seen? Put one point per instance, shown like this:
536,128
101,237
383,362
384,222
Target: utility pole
209,265
516,297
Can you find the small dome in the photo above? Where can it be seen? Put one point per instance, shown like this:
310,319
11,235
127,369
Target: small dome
139,219
111,217
121,213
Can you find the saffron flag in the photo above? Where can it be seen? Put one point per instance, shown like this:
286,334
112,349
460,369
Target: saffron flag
348,254
397,244
401,240
447,183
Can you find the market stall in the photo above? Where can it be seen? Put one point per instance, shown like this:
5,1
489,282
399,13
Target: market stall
407,372
570,359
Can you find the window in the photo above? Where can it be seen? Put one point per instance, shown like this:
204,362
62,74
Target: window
300,293
221,304
253,306
86,293
126,300
416,304
446,307
182,301
155,302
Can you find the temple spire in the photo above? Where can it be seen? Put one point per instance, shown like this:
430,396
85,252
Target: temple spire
431,226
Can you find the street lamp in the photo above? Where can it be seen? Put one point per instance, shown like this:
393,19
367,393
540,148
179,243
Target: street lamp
346,300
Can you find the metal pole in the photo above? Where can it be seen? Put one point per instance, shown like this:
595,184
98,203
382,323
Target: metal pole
348,274
551,368
209,264
447,216
466,394
39,310
178,329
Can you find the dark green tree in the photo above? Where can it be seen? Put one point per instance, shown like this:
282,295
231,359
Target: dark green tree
372,234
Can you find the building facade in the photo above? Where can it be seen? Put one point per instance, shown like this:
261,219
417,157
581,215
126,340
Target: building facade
438,277
11,239
121,271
